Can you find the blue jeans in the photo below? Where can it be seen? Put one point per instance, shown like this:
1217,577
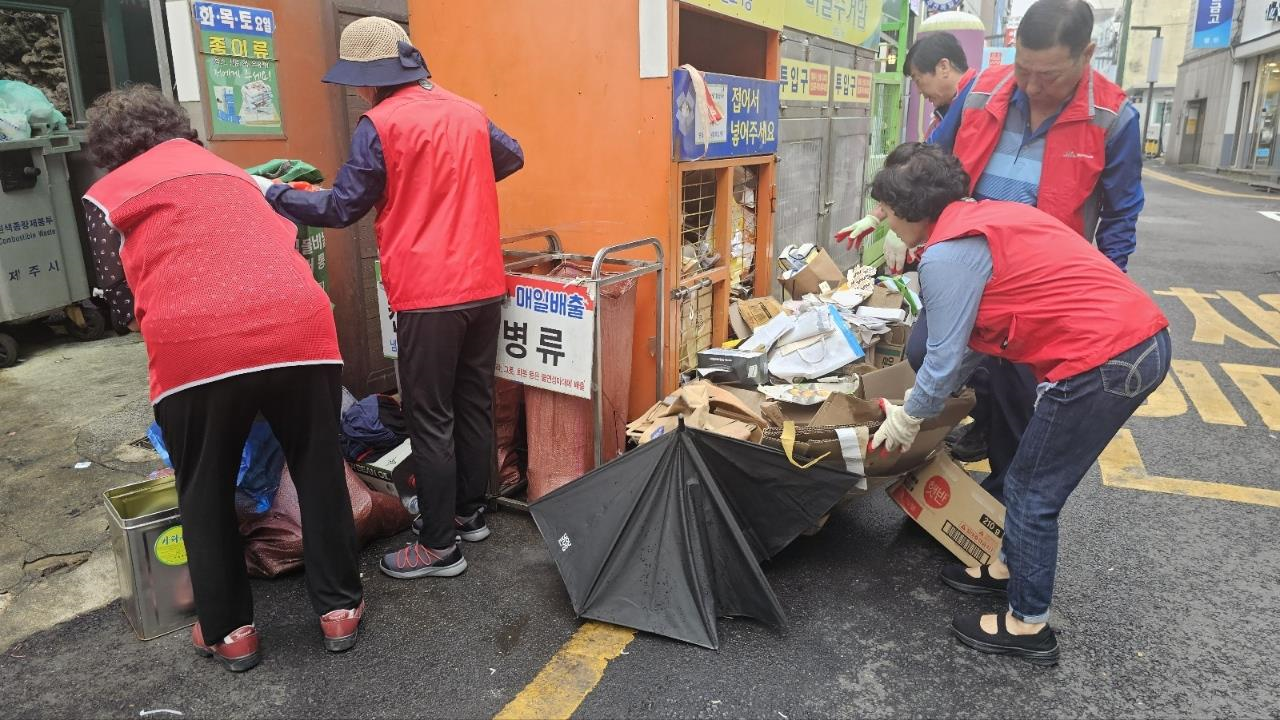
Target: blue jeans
1074,419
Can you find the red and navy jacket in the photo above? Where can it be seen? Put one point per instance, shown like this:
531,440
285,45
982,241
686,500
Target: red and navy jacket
428,160
1091,177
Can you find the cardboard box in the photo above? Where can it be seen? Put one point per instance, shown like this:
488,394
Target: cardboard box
758,311
944,500
734,366
390,474
840,410
821,269
883,297
892,347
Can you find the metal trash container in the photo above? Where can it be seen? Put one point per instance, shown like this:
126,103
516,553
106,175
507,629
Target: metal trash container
151,560
42,266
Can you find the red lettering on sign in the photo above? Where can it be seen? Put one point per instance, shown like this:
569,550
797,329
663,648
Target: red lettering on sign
906,502
937,493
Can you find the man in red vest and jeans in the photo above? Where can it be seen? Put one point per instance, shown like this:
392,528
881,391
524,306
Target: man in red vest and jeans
1047,131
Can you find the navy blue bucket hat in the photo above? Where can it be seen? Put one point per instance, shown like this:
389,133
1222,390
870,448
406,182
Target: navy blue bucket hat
375,52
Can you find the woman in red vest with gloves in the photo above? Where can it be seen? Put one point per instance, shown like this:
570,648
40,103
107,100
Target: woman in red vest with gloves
429,161
1007,280
234,326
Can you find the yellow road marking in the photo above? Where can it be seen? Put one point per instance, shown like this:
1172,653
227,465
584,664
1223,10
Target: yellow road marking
1213,406
1146,173
1267,320
1252,381
1211,327
1165,402
1122,467
572,673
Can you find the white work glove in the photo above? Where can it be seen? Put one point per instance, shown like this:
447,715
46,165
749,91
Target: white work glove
263,183
895,253
857,232
898,431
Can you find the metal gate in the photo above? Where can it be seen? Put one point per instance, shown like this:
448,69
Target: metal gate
821,154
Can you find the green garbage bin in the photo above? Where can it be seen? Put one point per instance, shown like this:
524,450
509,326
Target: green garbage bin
42,267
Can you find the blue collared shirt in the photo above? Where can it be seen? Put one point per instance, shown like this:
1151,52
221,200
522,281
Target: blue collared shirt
362,180
944,135
1119,191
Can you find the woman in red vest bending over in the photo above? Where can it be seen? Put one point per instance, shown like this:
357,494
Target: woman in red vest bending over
234,326
429,161
1007,280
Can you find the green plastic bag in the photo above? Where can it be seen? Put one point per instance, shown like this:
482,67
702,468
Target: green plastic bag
310,239
20,100
287,171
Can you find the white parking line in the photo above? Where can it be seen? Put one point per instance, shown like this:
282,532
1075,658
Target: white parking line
1271,214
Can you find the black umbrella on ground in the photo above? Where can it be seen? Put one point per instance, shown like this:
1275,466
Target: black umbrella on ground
669,537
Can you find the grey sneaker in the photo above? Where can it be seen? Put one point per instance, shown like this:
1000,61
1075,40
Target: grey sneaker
471,529
416,561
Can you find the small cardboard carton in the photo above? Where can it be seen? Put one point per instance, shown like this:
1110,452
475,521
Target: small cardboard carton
820,271
734,366
390,474
892,346
954,509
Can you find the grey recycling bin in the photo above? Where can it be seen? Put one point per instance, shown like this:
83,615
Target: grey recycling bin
42,265
151,557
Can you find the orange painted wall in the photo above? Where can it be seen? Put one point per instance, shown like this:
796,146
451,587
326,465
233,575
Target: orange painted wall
563,78
315,129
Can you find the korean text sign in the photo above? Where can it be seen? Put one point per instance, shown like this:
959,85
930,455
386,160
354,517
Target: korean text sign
749,125
546,339
238,45
805,81
1213,23
856,22
31,273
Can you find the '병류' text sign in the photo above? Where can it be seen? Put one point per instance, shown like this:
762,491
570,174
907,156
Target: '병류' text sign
547,333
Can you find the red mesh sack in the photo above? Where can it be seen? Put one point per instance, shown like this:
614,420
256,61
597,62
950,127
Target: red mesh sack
273,540
508,399
560,426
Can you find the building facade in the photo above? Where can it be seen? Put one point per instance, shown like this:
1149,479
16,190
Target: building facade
1226,107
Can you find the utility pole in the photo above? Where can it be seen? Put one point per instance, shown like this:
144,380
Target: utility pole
1153,74
1124,42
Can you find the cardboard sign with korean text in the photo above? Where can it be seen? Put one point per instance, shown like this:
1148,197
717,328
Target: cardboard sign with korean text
954,509
547,334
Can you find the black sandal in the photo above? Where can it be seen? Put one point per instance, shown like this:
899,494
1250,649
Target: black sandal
955,576
1039,649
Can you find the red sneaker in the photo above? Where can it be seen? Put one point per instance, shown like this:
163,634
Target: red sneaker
340,628
237,651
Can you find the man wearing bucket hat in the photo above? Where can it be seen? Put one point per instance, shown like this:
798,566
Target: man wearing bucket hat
429,161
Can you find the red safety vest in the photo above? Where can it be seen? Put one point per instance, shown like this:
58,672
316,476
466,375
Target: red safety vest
219,287
1075,146
437,224
1053,302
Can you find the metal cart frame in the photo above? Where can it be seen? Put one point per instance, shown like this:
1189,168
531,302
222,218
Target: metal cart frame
517,261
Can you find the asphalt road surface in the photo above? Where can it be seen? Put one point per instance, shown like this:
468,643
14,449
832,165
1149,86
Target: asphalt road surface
1166,601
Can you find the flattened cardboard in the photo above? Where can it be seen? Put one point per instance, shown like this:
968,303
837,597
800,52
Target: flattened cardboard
758,311
809,280
948,503
883,297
